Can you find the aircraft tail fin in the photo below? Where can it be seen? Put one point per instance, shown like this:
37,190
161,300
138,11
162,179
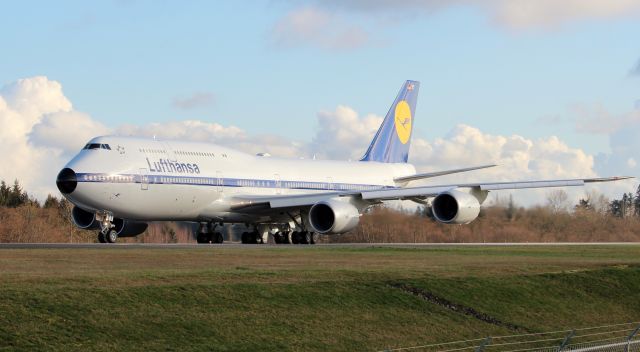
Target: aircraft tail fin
391,142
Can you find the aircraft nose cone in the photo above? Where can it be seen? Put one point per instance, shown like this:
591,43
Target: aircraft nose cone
67,181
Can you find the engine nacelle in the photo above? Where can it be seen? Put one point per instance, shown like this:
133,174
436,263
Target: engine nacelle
128,228
333,217
84,219
455,207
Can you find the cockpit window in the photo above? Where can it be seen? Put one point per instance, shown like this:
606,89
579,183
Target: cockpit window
97,146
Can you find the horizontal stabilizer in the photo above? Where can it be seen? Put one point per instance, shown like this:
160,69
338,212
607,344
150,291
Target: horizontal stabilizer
439,173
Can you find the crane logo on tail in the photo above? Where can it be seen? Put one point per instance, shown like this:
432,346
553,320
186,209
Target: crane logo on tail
403,121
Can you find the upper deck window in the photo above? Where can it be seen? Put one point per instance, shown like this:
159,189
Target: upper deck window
97,146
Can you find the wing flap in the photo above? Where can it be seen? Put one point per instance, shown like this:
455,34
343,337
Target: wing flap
403,193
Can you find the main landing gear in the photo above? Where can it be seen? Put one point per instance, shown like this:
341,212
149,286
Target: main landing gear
295,237
251,237
207,234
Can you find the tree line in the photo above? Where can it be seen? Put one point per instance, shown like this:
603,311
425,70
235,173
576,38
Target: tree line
15,196
593,219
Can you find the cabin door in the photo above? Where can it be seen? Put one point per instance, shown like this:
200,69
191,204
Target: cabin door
144,179
219,182
278,183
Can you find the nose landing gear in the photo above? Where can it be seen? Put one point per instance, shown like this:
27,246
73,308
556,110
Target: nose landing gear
107,233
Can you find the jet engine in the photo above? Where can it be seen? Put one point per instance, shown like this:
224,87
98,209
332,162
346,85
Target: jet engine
333,217
84,219
128,228
455,207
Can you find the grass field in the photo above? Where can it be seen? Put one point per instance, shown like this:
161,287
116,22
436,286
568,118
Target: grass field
314,298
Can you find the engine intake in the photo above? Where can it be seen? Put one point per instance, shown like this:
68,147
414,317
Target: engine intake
84,219
333,217
455,207
128,228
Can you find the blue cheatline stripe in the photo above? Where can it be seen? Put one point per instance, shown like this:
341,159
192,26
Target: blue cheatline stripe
224,182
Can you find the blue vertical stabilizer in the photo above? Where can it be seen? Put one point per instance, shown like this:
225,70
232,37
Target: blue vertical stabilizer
392,141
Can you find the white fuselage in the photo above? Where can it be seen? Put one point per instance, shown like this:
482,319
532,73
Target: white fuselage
147,180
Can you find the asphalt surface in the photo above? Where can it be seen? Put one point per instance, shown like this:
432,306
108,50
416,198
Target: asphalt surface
239,245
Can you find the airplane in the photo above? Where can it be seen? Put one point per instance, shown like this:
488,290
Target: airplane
118,184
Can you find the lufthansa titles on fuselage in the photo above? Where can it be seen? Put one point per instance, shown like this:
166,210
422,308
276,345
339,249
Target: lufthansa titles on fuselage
164,165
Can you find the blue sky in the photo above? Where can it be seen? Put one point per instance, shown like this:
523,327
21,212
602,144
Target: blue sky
270,67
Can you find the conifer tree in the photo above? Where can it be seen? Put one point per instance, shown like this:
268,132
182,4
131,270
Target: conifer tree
636,202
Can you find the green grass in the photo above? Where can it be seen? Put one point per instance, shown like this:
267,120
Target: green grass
322,298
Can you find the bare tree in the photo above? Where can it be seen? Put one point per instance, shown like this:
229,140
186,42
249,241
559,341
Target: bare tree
558,201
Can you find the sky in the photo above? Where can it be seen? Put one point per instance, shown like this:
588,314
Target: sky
543,88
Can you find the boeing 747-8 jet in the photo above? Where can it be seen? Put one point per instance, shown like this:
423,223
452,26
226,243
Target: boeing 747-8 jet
118,184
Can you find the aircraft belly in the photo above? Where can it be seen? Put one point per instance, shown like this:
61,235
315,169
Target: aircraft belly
156,202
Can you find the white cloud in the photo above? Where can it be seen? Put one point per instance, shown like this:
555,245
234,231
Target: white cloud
314,26
24,105
342,134
517,157
554,13
512,14
65,130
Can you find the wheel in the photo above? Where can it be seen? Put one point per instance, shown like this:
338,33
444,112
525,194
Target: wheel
217,237
101,238
313,238
295,237
288,238
305,237
284,238
245,237
201,238
257,238
111,236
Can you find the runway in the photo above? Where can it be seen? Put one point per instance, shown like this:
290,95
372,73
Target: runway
275,246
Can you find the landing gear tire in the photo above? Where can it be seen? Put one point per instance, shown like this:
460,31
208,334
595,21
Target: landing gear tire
251,238
101,238
305,237
296,237
283,237
217,237
202,238
312,238
111,236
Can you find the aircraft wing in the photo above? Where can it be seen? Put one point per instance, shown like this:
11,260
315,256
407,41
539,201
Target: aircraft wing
250,202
